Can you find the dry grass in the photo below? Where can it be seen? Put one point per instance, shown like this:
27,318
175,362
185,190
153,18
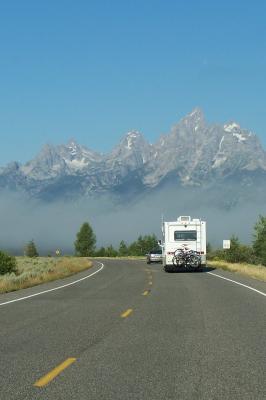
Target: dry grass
253,271
122,258
33,271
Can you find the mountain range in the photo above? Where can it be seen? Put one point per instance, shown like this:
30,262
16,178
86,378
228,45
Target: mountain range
194,154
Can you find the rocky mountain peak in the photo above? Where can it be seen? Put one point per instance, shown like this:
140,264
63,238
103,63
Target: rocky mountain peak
195,119
197,113
133,151
132,140
193,123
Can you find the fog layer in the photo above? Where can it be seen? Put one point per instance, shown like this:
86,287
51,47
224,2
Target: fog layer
54,225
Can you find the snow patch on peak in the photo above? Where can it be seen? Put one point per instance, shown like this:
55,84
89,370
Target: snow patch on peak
220,144
73,151
72,147
134,134
239,137
131,137
129,143
77,164
72,143
231,127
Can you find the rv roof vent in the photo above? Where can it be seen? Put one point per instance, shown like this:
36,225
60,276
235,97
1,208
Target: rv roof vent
183,218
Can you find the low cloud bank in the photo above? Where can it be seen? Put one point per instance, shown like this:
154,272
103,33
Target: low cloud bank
54,225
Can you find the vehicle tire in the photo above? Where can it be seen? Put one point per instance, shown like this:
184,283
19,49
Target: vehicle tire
199,268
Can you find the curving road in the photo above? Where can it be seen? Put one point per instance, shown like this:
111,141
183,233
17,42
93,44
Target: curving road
131,331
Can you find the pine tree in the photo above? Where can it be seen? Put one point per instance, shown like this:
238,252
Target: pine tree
31,250
110,251
123,250
259,242
85,242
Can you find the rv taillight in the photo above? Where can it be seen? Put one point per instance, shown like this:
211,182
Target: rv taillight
202,252
170,253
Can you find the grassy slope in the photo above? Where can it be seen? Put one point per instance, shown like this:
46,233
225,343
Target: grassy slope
253,271
33,271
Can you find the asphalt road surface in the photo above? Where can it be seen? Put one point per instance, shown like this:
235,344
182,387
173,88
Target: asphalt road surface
132,331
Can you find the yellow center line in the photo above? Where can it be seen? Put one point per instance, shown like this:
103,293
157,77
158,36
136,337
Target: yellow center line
53,374
150,283
126,313
145,293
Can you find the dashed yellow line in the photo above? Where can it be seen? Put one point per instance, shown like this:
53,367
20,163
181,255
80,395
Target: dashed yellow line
145,293
150,283
126,313
53,374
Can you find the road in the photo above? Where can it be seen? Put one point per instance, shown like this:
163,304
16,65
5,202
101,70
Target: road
131,331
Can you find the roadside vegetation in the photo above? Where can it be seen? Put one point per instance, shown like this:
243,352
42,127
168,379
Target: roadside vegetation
249,260
250,270
33,271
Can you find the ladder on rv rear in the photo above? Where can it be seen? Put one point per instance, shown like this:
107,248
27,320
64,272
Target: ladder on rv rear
198,241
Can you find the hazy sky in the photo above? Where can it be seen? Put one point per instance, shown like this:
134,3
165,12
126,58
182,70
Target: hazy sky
95,69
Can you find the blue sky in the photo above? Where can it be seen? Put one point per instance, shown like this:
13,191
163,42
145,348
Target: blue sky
94,70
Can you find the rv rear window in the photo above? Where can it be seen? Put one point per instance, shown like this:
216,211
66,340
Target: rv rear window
185,235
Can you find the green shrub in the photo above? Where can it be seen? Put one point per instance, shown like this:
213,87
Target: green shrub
8,264
238,253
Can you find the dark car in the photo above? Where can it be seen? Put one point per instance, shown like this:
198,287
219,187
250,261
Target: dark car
154,255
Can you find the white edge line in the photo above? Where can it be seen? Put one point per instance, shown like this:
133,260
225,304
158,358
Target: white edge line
238,283
56,288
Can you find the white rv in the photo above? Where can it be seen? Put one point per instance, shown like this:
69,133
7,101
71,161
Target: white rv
184,232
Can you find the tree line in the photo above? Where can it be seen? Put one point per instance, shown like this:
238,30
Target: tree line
85,245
